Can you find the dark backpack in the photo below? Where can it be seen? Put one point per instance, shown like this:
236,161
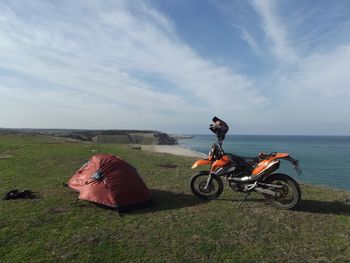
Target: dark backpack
19,194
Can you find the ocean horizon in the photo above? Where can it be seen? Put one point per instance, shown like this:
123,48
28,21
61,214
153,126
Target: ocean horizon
324,159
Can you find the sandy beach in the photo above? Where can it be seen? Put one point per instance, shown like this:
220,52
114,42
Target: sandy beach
172,149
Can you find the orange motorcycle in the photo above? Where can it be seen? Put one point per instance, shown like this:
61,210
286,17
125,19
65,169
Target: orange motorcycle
245,174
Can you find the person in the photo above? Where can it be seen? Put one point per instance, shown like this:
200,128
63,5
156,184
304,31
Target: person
219,127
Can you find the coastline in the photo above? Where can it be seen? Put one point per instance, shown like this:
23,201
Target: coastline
176,149
181,150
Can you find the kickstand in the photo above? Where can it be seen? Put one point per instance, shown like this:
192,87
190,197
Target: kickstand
245,198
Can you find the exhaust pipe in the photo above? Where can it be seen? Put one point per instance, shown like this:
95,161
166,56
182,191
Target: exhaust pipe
245,179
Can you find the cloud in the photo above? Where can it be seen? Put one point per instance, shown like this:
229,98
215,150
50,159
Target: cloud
275,29
87,55
122,64
307,79
322,80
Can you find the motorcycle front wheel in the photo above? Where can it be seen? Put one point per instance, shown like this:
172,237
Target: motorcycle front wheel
288,196
198,183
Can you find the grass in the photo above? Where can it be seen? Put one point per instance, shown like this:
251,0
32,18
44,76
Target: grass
179,228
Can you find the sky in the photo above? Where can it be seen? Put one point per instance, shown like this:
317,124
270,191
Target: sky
263,66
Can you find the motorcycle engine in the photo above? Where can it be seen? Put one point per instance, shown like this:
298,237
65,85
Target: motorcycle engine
235,186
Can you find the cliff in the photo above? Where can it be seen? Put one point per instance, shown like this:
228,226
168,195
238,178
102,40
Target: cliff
145,137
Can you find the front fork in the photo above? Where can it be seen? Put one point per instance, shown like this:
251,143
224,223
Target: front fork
209,181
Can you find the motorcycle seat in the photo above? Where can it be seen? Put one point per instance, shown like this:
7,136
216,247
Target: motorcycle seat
243,161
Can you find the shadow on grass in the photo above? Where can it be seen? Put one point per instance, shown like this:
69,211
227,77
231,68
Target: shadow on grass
162,200
310,206
167,200
324,207
238,199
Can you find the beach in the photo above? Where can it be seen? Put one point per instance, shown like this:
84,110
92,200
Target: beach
173,149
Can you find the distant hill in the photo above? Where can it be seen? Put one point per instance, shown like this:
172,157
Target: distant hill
102,136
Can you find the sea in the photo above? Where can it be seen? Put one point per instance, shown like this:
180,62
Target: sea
324,160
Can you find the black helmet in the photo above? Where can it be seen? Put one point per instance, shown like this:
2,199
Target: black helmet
219,127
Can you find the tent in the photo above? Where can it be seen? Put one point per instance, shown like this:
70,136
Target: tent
108,180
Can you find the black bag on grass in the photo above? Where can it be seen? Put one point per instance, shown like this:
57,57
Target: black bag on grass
19,194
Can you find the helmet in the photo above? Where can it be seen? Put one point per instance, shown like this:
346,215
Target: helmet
219,127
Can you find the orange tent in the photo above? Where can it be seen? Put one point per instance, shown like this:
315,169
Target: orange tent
106,179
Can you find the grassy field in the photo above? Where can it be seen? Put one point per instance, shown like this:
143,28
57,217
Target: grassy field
179,228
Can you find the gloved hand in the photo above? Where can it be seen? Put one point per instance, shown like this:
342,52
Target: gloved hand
262,155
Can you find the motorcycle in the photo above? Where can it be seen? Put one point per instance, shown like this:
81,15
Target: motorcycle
245,174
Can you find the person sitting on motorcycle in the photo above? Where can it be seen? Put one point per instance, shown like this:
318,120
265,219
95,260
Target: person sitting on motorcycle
219,127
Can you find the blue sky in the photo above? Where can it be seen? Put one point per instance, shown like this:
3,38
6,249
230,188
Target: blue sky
266,67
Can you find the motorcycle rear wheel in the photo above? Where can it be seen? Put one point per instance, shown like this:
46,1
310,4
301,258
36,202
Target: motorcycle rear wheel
198,183
289,195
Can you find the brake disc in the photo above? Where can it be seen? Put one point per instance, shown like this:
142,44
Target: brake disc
202,187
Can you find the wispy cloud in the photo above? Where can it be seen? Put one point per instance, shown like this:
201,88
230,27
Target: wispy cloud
308,49
91,49
249,39
123,64
275,29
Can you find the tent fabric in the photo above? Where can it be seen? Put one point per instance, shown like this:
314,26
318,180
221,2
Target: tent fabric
108,180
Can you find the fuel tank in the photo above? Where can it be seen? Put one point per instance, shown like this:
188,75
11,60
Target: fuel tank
225,160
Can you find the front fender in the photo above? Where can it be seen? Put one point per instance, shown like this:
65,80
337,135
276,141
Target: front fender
201,162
